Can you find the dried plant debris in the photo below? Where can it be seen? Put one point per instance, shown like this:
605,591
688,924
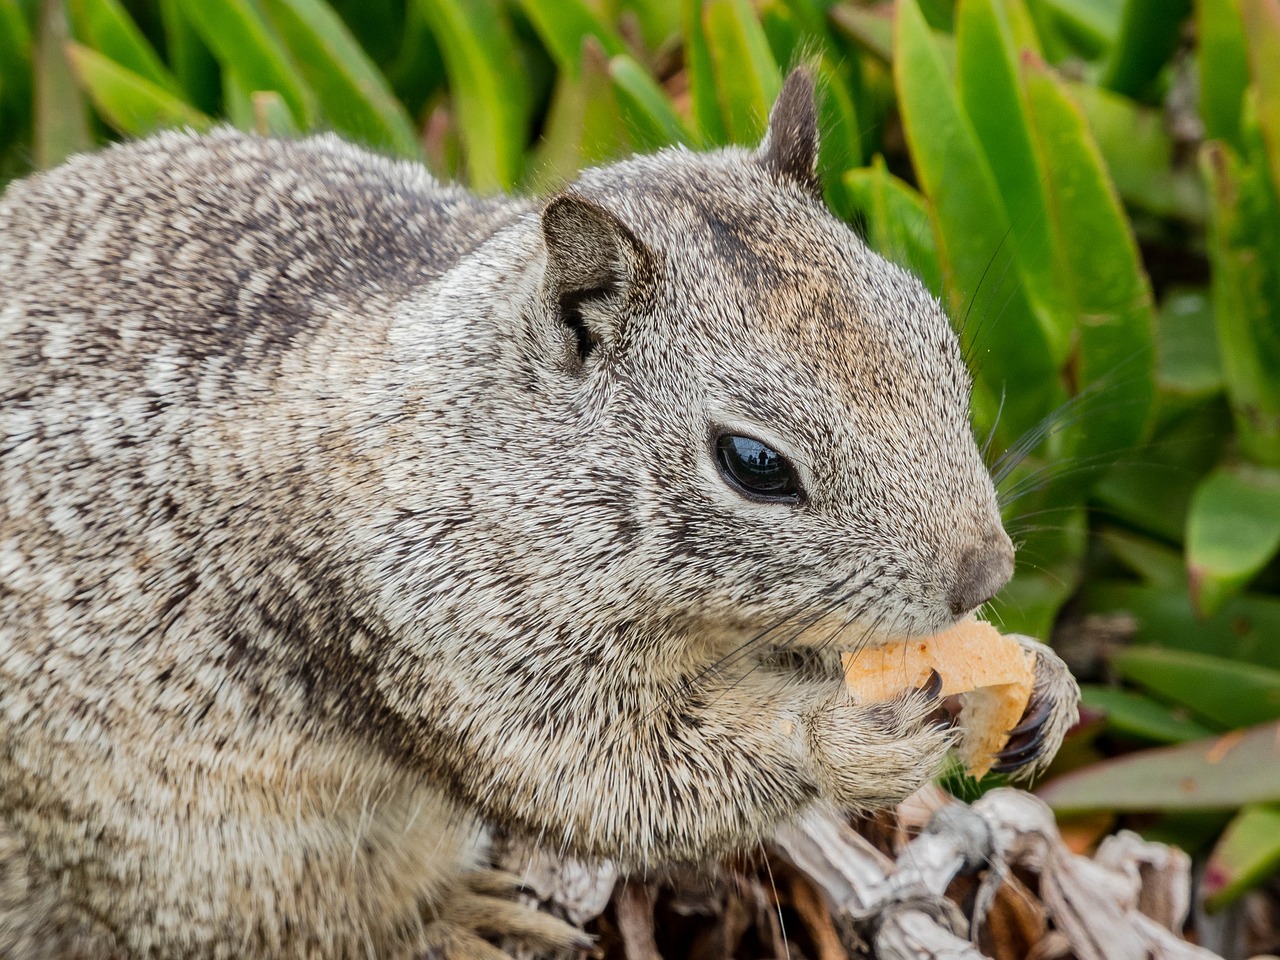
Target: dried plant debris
941,880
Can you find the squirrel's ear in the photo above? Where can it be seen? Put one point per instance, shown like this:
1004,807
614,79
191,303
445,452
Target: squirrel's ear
591,256
790,147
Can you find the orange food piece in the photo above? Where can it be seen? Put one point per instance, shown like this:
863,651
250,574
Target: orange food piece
994,672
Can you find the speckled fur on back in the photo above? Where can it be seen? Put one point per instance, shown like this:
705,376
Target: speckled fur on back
341,511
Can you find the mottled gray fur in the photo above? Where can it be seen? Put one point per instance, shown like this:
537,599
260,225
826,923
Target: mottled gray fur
341,511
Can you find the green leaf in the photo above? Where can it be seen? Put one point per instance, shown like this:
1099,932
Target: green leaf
353,94
237,102
245,46
1233,531
1230,771
564,24
1262,28
1140,155
104,26
1148,36
1246,854
870,27
998,328
1244,630
190,57
271,115
1159,566
15,61
746,76
1244,249
659,19
60,117
704,97
1103,276
583,125
1092,26
897,221
989,82
1135,715
1151,487
1225,693
649,115
840,147
489,93
1223,68
131,104
1189,361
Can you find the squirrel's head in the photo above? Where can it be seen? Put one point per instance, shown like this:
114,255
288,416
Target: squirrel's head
776,418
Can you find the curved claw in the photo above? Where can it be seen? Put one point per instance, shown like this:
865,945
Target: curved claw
932,686
1018,755
1032,719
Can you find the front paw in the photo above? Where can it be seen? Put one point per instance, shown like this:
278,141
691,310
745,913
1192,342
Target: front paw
869,757
482,907
1052,710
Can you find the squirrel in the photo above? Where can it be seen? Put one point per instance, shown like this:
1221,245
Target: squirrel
344,513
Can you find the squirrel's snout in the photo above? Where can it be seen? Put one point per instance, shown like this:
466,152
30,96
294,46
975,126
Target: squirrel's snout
982,571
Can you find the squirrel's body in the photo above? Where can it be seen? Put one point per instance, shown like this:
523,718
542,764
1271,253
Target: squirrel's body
341,511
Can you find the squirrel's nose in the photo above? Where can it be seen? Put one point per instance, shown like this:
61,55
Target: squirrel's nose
982,571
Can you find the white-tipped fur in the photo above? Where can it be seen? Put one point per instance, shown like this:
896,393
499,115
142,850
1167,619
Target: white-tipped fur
336,518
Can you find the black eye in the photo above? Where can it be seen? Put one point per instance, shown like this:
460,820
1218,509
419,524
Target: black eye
756,470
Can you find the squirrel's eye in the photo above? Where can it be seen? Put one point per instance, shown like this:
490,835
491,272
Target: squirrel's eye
756,470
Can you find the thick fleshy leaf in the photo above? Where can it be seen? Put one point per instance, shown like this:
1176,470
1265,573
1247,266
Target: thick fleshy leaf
897,221
746,75
271,115
1244,248
352,92
1189,361
1158,565
1224,68
1262,28
1091,26
1151,487
1135,715
1103,275
649,115
131,104
564,24
15,65
998,328
583,125
704,98
1148,36
870,27
490,94
1233,531
1140,155
1246,854
988,79
1225,772
1225,693
840,148
104,26
245,46
190,58
1244,630
61,120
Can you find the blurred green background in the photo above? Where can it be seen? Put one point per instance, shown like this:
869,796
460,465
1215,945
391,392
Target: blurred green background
1089,185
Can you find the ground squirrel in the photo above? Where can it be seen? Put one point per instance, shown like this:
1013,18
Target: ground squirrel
342,512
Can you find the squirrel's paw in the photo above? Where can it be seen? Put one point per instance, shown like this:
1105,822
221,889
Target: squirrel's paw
870,757
482,906
1052,710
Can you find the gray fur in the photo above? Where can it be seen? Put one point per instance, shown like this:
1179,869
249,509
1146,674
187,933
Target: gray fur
325,537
